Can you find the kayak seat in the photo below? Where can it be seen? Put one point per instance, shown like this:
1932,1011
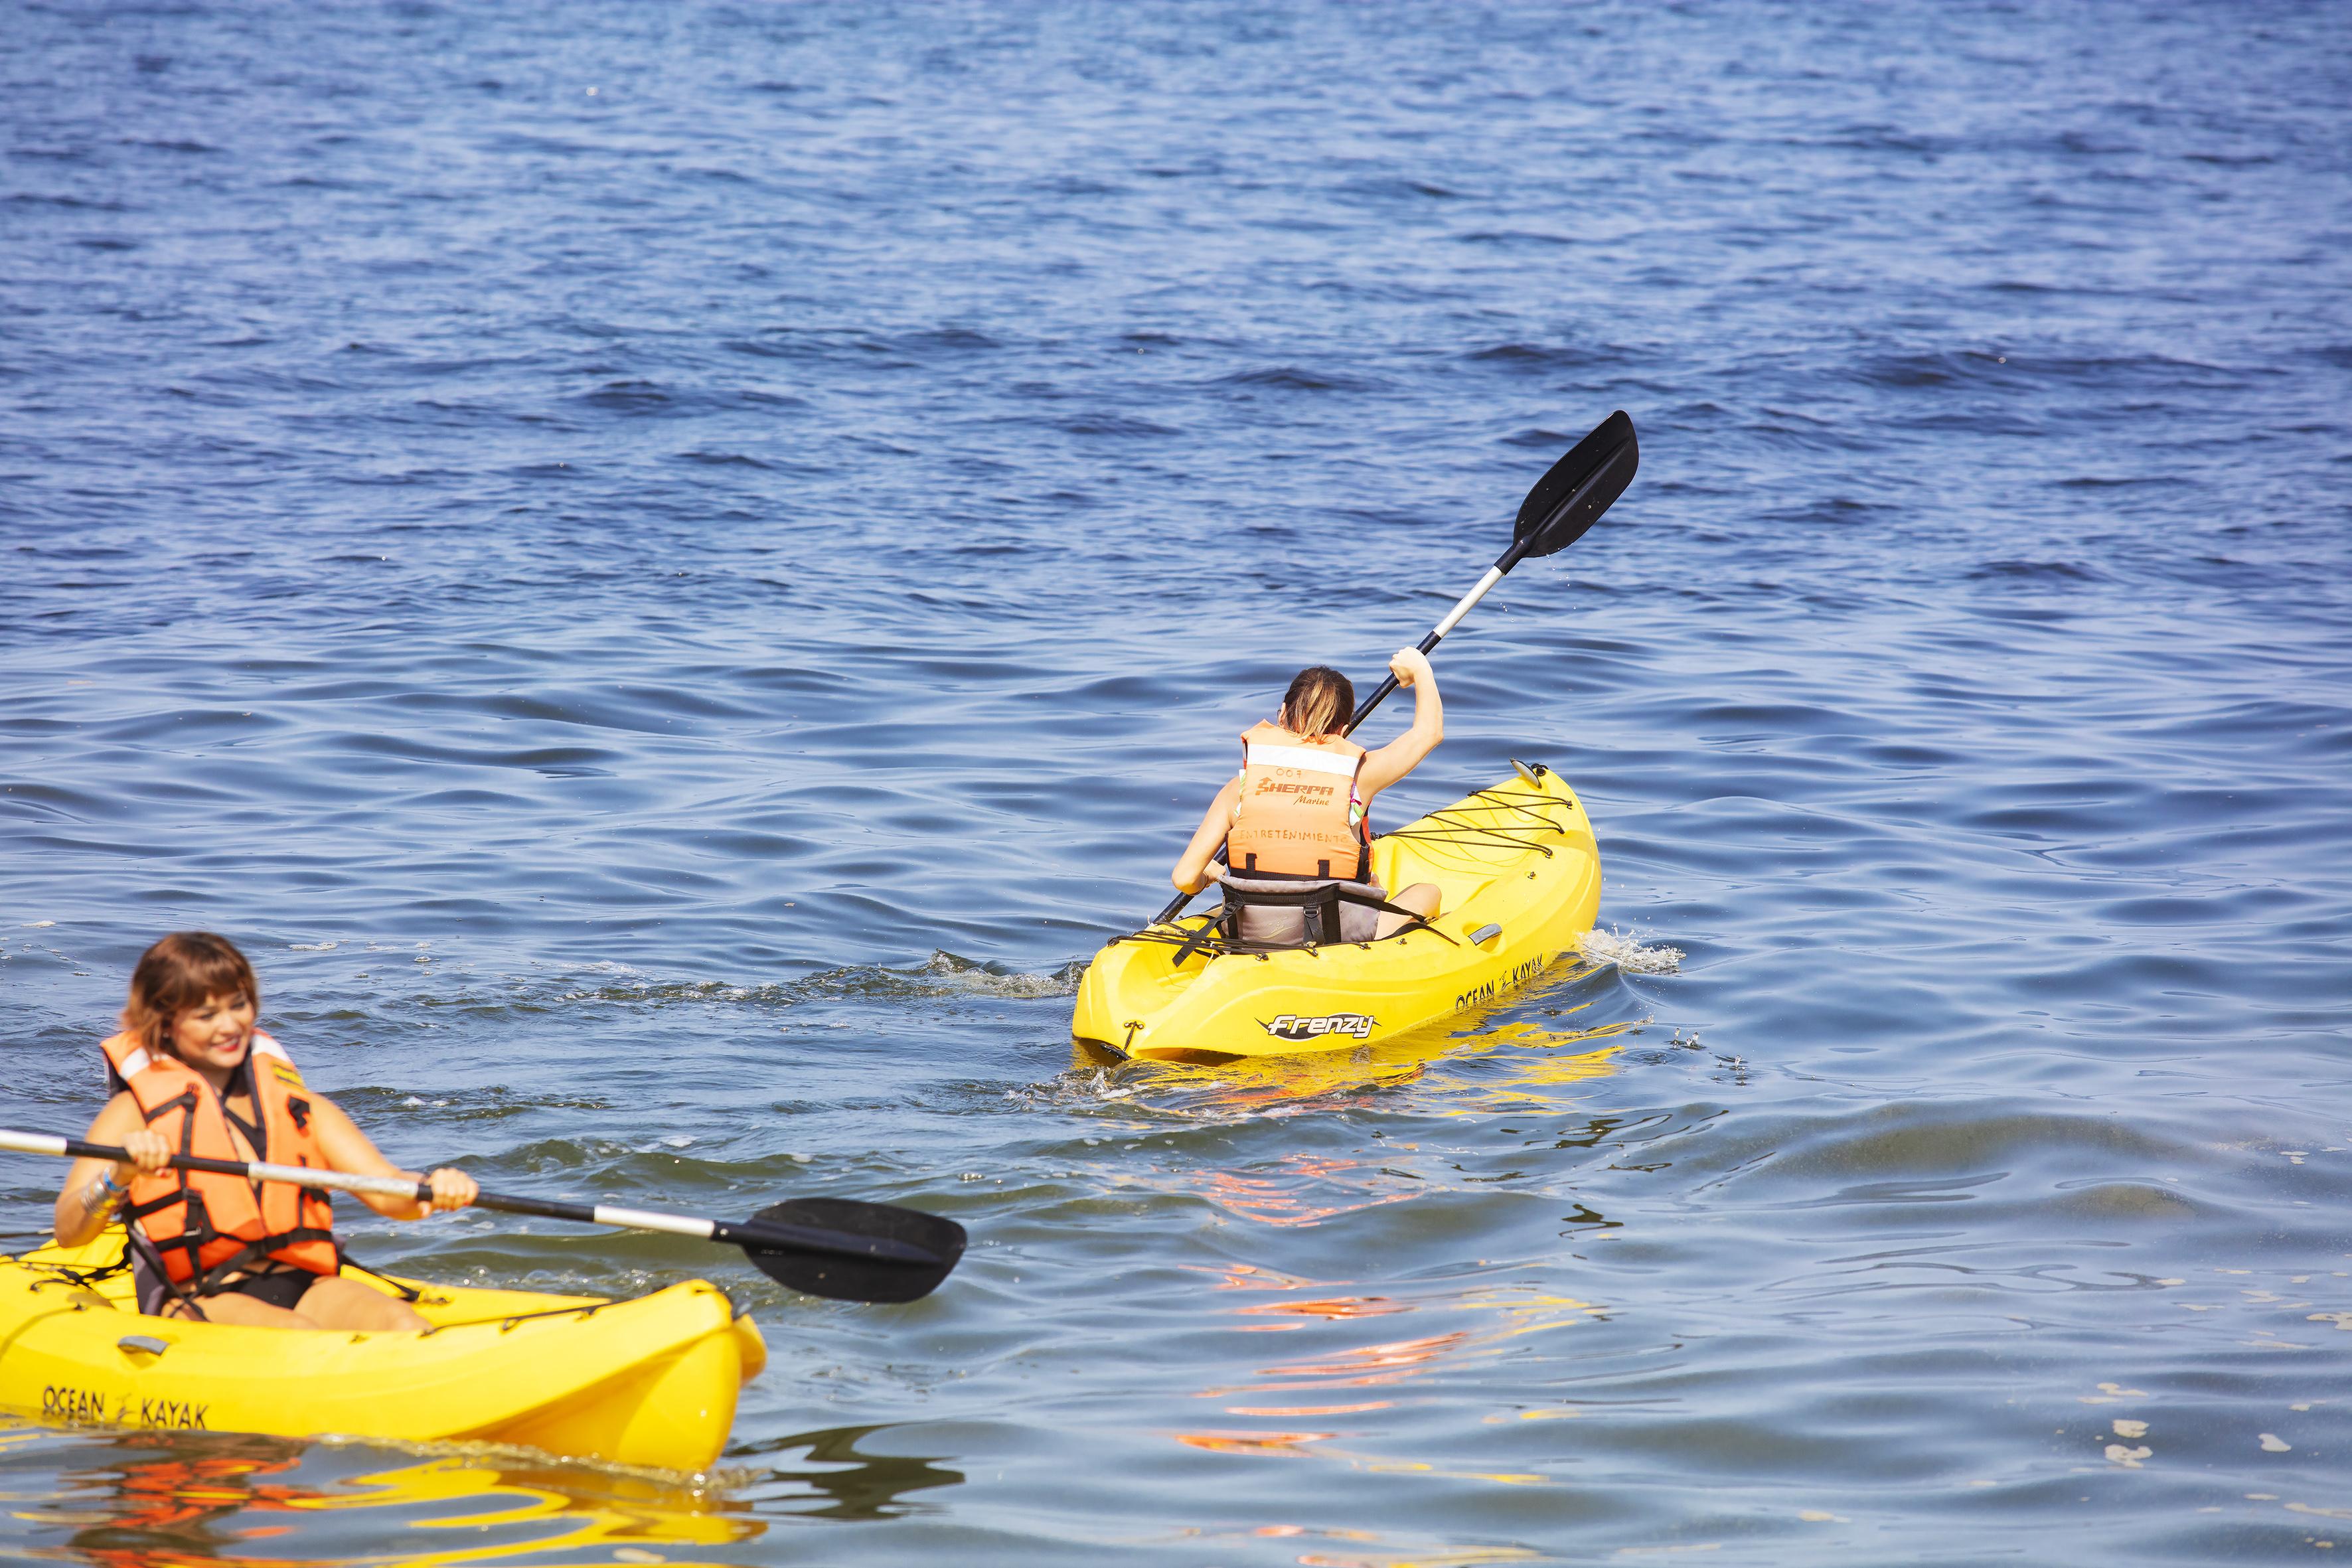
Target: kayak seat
1322,911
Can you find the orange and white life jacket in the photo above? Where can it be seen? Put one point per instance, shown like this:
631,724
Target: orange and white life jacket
201,1225
1300,811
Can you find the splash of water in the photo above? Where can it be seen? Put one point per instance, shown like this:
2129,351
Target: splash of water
1626,951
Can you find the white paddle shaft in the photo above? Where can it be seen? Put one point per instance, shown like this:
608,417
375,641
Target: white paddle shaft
381,1186
1468,600
33,1143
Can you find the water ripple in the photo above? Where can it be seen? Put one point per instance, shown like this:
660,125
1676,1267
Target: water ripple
671,576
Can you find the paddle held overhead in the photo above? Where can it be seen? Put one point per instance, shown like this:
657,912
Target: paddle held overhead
1568,499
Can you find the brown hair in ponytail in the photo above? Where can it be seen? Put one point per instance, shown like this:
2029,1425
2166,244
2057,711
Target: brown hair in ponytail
1320,701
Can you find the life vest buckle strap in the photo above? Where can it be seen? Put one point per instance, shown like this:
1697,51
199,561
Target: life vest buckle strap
185,1100
260,1251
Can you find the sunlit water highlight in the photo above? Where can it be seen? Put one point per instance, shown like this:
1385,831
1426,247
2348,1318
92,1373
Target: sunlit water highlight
671,573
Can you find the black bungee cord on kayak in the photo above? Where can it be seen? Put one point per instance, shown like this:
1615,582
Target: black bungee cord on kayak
1451,829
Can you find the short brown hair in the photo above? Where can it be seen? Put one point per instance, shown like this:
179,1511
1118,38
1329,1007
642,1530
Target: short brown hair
177,974
1320,701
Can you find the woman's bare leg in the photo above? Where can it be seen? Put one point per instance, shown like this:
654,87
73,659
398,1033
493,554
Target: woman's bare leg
328,1304
1421,899
243,1310
348,1304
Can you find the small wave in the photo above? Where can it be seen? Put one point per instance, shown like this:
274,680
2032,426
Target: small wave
1294,378
718,459
629,396
1113,425
1629,955
1507,236
994,979
1543,356
943,975
2059,571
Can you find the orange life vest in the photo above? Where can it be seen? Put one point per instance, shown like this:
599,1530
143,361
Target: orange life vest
1299,813
204,1227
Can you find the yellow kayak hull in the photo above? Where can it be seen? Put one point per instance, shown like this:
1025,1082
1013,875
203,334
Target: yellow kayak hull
650,1381
1518,859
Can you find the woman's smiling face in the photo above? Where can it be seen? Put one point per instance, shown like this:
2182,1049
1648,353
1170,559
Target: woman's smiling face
215,1032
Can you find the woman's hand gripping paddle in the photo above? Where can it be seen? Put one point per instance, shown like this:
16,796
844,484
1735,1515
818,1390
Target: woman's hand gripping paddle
1566,501
824,1247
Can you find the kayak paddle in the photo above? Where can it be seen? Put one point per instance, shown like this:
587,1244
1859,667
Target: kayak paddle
1568,499
837,1247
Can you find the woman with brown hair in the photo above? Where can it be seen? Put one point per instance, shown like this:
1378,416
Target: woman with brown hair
1298,813
194,1076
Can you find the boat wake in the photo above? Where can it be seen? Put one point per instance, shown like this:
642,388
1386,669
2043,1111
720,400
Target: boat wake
994,979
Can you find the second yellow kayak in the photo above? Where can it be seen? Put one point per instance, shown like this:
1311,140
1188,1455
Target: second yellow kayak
1520,879
652,1381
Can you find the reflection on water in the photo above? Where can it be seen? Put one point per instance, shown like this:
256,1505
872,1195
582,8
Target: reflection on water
1464,1326
1501,1313
1294,1190
1516,1069
856,1486
1453,1071
228,1498
1328,1547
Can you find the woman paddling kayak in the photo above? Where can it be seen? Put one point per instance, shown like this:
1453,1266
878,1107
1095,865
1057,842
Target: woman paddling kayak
194,1076
1287,821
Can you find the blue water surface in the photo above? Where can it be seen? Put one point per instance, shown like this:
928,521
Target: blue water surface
671,571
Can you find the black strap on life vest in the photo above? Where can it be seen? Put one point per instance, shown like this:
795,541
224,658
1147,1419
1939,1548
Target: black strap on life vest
215,1279
197,1230
258,1137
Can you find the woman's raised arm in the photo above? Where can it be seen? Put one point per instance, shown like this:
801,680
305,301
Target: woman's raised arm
1401,756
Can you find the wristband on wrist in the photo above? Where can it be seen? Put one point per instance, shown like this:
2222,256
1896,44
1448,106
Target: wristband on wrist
102,1194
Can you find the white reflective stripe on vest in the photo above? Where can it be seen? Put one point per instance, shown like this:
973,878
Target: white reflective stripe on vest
134,1064
1306,759
263,1046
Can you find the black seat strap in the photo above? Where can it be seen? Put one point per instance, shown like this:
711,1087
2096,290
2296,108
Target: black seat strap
1324,898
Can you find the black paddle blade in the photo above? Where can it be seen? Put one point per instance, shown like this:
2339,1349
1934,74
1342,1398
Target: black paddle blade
1578,489
859,1278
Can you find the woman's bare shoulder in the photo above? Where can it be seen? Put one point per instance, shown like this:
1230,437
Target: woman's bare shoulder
121,1115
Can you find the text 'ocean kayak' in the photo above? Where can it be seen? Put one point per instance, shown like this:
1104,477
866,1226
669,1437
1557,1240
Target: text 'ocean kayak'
652,1381
1520,879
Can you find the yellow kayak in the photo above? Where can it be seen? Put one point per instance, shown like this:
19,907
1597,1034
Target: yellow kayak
1519,878
652,1381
